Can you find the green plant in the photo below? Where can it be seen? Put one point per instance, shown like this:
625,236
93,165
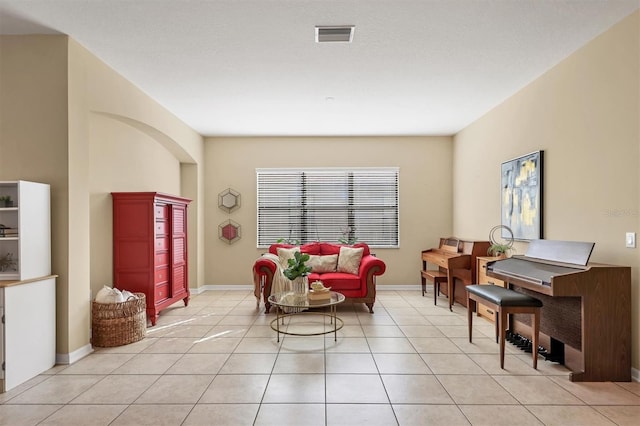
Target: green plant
348,236
289,240
498,249
297,267
6,200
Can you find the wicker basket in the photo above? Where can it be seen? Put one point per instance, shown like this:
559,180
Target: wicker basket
117,324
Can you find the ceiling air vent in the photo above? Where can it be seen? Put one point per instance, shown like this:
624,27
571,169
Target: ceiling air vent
342,33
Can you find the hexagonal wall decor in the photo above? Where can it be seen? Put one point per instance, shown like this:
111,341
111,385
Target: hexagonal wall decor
229,231
229,200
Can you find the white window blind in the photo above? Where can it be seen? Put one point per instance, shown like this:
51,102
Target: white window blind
315,204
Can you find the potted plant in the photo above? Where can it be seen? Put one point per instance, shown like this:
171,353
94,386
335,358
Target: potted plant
500,248
297,272
297,267
5,201
348,236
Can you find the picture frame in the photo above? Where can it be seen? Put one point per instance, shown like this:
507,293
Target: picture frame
521,195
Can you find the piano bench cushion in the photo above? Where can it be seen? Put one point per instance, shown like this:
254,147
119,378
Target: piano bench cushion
503,296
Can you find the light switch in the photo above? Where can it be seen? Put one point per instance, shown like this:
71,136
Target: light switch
630,240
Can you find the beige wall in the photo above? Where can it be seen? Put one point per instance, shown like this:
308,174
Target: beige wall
116,150
34,132
584,113
130,143
71,121
425,175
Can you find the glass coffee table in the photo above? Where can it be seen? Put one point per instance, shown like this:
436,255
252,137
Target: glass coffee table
287,305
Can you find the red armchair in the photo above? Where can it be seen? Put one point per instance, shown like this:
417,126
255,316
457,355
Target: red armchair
360,288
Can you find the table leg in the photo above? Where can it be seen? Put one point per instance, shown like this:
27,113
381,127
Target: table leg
335,323
278,322
451,287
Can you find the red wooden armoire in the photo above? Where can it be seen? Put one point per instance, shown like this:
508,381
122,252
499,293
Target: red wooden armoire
150,247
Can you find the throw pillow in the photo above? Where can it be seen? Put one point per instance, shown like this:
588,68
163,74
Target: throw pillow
349,260
323,264
285,254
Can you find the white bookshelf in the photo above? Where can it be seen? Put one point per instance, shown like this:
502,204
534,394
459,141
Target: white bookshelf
27,233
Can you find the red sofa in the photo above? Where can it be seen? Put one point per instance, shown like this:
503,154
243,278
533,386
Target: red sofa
360,288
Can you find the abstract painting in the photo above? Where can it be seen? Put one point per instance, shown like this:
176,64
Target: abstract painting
521,195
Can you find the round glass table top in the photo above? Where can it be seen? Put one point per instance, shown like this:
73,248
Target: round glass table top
290,299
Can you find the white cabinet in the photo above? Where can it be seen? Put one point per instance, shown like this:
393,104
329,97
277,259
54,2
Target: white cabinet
27,288
28,331
25,230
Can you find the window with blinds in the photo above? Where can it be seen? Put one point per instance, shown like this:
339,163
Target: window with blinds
307,205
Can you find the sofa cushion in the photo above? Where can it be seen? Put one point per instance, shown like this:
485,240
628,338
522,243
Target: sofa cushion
328,248
284,254
311,248
338,281
349,260
322,264
319,248
366,251
273,248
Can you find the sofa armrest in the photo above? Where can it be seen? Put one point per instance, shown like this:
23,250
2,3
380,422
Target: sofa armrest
264,266
371,265
263,271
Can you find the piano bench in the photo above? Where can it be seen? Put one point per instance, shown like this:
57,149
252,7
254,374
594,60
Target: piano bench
438,277
504,301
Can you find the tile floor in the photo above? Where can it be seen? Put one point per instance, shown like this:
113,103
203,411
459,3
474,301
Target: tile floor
217,362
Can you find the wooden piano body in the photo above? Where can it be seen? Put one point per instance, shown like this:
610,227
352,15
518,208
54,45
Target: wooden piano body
458,259
586,313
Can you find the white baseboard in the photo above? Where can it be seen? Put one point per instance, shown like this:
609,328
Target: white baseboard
401,287
220,287
224,287
74,356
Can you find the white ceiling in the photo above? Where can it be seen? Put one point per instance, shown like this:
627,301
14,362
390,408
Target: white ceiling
252,68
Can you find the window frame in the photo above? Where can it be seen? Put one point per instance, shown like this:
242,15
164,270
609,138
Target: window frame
374,178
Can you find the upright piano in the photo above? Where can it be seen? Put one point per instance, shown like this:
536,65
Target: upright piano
586,315
457,258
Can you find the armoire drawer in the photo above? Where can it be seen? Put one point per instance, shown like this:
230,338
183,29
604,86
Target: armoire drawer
162,243
162,258
161,228
162,275
161,211
162,292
